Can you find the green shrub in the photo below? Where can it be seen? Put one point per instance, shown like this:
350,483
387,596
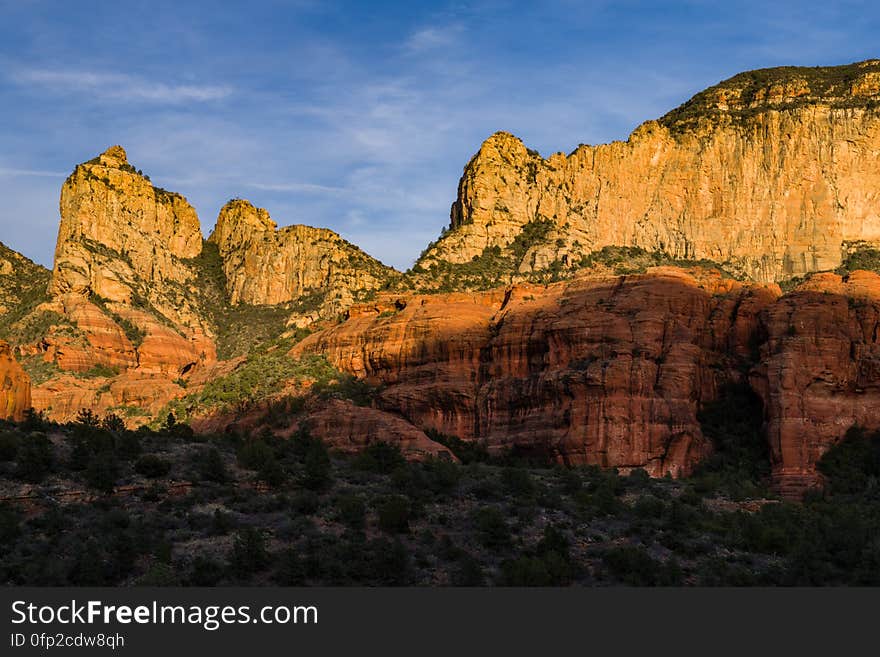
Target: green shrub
248,554
10,523
569,481
221,523
550,565
264,372
34,458
389,562
102,472
128,446
291,571
862,258
469,572
255,454
99,371
518,482
394,514
466,451
380,457
854,463
307,502
442,476
152,466
211,466
159,574
9,441
633,566
524,571
492,529
351,511
205,572
316,473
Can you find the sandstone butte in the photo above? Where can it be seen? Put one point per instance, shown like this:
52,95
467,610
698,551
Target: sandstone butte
771,174
264,265
128,288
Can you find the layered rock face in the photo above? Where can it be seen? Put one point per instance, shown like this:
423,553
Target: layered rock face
134,396
121,238
819,372
123,313
265,265
606,371
771,173
15,386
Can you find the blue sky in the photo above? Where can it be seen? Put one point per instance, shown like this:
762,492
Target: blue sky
359,116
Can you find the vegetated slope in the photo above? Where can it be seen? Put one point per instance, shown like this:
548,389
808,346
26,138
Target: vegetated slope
257,510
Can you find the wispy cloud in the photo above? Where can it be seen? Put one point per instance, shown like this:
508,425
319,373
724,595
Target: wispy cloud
120,86
31,172
299,187
437,36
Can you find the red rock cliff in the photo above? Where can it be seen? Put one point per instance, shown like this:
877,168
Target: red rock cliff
819,372
15,386
607,371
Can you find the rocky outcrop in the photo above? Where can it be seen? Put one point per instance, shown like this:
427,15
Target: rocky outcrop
15,386
266,265
116,226
606,371
771,173
349,429
819,371
121,238
135,397
124,316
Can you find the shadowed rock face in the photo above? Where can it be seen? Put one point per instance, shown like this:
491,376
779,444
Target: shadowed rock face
15,386
612,371
819,372
772,174
607,371
349,429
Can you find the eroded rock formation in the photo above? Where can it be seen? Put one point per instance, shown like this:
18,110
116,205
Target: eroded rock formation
124,314
349,429
819,370
124,240
771,173
267,265
15,386
607,371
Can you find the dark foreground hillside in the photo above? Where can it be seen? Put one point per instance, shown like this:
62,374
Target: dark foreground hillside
90,503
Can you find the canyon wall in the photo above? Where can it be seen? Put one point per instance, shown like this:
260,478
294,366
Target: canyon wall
819,371
772,174
606,371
